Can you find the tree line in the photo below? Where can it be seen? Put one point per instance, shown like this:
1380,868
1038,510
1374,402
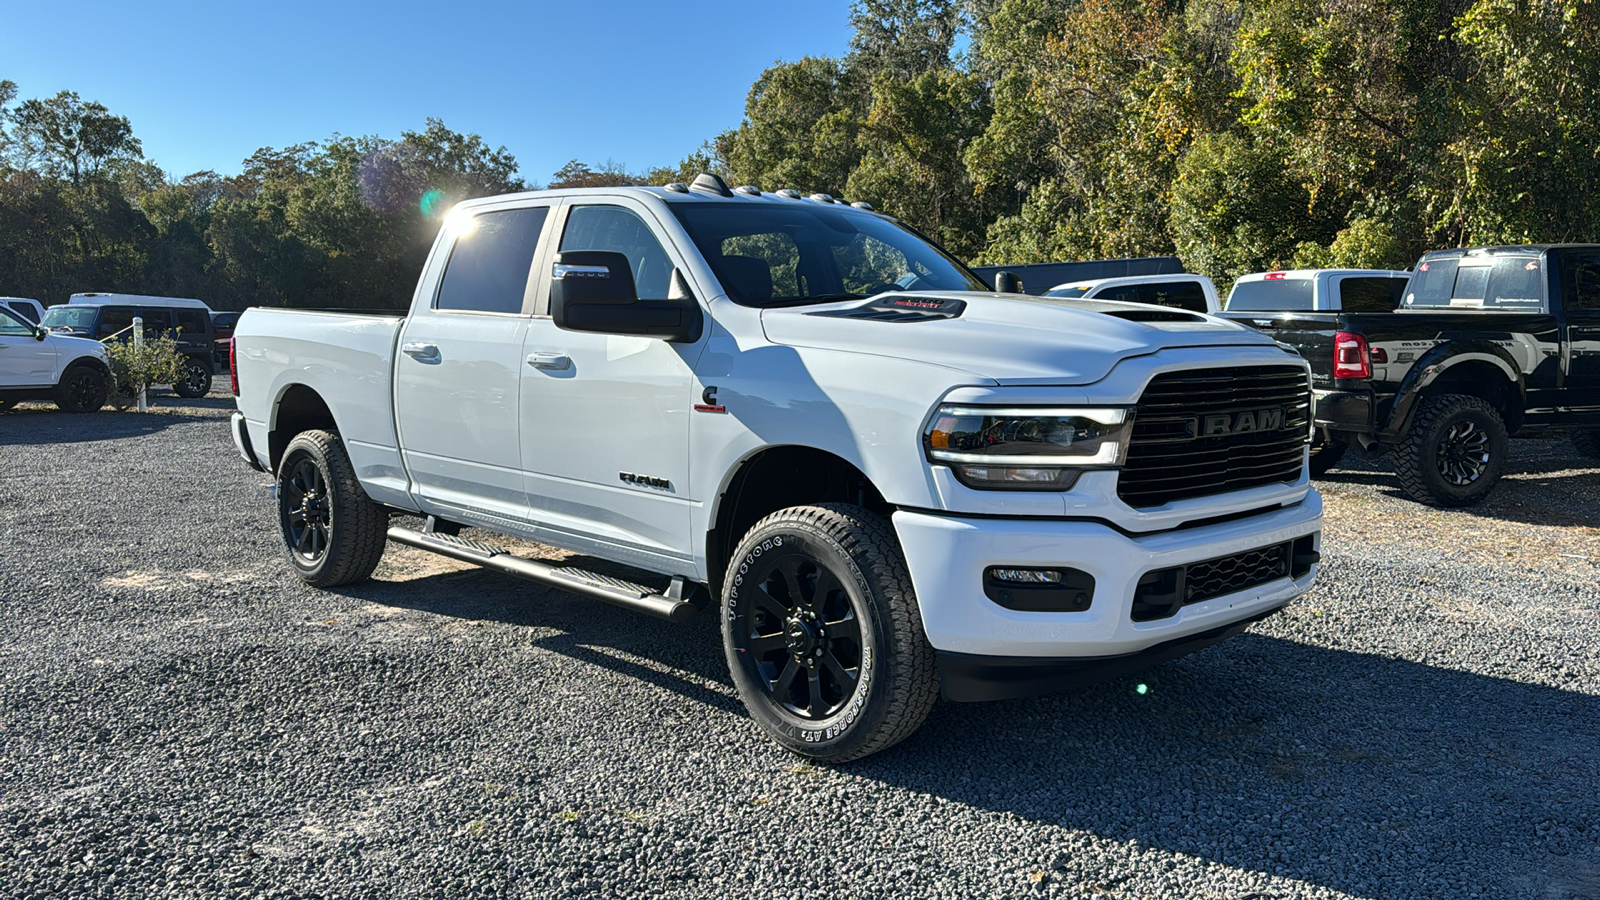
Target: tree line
1237,136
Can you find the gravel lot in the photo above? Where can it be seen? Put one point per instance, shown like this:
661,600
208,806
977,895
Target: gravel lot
181,717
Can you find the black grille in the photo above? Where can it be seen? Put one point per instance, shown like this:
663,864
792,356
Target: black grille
1210,431
1162,593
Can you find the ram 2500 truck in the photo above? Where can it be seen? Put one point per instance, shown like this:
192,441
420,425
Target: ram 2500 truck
884,477
1486,343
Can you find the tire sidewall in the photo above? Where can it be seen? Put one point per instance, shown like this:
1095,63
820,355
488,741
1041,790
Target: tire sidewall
1443,491
861,715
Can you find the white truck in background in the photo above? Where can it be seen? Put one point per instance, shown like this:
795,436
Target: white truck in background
886,479
1195,293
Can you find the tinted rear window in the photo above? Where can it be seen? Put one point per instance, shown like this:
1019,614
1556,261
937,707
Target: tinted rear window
1509,282
1286,293
1177,294
1371,293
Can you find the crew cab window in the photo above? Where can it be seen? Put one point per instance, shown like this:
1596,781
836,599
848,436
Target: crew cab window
191,322
619,230
113,319
489,264
1516,282
1584,292
1506,282
1370,293
157,322
10,324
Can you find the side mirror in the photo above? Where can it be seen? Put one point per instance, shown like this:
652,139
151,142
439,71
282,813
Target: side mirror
593,290
1007,283
39,333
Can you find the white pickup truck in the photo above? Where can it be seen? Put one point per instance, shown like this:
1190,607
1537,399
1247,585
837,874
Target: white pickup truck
887,479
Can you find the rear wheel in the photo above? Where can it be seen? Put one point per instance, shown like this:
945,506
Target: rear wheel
82,389
822,633
1454,452
196,380
333,533
1587,441
1327,453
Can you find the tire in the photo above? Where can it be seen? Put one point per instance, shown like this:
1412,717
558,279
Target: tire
197,380
827,584
1453,453
1587,441
333,534
82,389
1327,453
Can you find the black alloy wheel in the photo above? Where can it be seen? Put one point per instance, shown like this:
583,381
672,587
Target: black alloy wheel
305,502
333,534
82,389
823,635
1463,453
1453,452
196,380
803,637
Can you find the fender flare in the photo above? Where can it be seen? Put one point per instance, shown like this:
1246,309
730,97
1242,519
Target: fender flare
1433,365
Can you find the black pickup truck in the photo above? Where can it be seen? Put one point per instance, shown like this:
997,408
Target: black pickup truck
1487,342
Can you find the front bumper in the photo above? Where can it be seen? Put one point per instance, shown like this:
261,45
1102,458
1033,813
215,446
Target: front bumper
947,556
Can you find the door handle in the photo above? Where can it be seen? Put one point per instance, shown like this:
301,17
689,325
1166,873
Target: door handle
417,350
554,361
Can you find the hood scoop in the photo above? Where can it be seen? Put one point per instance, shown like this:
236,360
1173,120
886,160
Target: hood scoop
1154,315
900,308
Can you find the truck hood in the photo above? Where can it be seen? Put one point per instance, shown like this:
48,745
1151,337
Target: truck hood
1009,338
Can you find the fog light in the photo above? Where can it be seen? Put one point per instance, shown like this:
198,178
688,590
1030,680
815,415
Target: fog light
1038,477
1027,576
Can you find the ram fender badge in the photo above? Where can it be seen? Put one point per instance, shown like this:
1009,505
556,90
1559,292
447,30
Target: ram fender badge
709,395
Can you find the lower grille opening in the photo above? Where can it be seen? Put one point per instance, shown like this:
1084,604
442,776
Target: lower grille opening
1160,594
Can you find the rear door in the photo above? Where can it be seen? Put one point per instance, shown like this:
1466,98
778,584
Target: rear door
457,377
1580,297
25,361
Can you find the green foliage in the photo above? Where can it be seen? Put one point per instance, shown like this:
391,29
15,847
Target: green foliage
134,369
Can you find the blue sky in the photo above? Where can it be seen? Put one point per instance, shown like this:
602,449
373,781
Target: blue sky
206,84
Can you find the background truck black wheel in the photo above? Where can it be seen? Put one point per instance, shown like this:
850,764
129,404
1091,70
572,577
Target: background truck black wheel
1587,441
1454,452
1326,453
82,389
196,380
822,633
333,533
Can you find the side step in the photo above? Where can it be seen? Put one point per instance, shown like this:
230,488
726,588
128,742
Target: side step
674,605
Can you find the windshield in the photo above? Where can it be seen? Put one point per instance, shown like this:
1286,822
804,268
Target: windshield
795,253
1278,294
78,318
1074,291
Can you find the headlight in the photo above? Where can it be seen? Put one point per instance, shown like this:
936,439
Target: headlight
1025,448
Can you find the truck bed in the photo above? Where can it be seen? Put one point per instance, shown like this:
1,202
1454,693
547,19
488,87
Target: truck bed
347,356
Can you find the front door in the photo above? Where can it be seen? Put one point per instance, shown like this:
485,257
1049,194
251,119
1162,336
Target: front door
25,361
605,418
458,372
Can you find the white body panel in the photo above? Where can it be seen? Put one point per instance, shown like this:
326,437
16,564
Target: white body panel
27,362
540,442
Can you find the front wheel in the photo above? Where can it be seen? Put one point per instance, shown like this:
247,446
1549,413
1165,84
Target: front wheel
333,533
82,389
196,380
1454,451
822,633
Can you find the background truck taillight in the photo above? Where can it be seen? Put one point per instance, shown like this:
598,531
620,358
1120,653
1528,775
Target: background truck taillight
233,367
1350,359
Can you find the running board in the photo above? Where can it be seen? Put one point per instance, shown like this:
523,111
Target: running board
675,604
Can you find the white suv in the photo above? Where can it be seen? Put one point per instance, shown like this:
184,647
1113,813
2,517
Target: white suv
38,365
